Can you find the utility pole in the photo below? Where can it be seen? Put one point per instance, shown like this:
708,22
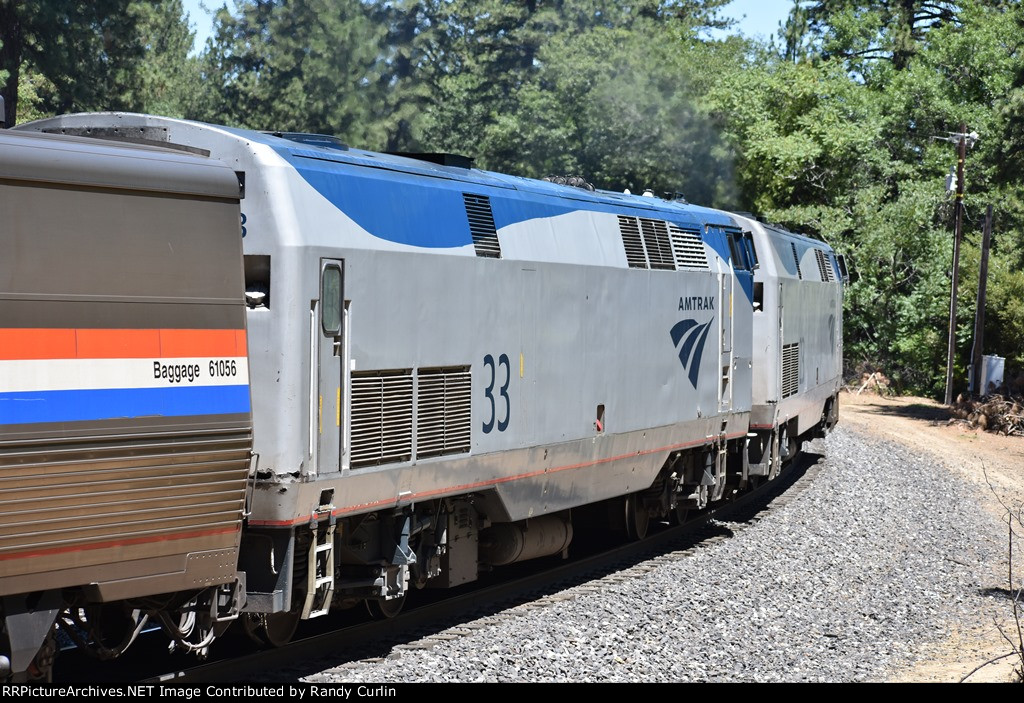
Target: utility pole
979,308
957,229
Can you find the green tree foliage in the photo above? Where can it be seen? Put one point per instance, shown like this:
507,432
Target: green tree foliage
1004,321
296,65
862,31
1010,154
835,135
813,157
166,80
61,41
621,107
58,56
448,75
541,87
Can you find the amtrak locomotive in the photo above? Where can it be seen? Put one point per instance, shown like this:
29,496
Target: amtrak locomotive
445,370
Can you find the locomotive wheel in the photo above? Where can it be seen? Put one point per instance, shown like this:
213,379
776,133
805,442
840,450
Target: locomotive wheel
380,609
638,518
679,515
794,447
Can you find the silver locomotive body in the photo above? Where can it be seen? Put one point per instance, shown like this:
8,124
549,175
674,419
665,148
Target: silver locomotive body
798,343
453,370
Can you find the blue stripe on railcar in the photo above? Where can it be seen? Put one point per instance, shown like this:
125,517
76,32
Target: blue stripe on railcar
82,405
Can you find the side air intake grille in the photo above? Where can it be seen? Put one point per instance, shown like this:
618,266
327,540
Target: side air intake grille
443,419
796,260
656,244
635,255
688,248
824,266
790,369
481,225
381,417
659,249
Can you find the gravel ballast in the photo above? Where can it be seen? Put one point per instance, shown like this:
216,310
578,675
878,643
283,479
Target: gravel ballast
882,553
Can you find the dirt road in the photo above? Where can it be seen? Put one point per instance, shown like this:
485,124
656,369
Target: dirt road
994,466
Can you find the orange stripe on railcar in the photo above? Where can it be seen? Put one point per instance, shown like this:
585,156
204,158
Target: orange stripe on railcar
45,343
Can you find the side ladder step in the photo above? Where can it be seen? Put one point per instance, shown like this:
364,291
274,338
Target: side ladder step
320,572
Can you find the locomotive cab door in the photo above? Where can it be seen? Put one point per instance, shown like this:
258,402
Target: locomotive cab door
328,333
725,317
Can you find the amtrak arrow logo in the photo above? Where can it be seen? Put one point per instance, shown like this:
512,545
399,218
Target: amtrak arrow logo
691,336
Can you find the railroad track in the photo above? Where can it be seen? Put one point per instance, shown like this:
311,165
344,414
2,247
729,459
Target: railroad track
328,642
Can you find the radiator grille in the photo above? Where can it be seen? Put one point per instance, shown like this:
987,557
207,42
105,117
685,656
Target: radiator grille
796,260
443,419
381,417
824,266
481,225
630,230
688,248
790,369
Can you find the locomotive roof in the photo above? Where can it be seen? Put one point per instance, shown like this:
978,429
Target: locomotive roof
410,165
778,231
797,236
309,149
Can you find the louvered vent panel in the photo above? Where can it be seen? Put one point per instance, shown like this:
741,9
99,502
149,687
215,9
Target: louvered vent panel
790,369
688,248
824,266
481,225
443,411
631,241
381,417
796,259
656,241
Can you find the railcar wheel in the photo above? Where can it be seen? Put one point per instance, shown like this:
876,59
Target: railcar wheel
278,628
380,609
274,629
251,627
679,515
638,517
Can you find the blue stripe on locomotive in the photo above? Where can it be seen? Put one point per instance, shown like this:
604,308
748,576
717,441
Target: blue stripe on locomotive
371,188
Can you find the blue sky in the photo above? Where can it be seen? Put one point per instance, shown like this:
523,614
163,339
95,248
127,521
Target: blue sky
756,17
